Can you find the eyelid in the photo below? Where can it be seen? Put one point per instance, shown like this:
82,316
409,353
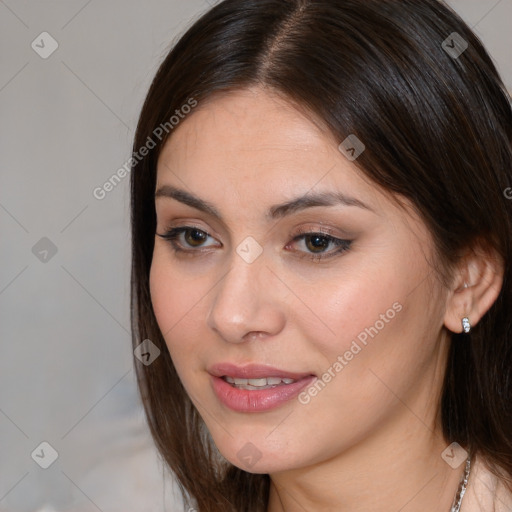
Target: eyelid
302,230
341,244
188,224
173,232
323,230
308,230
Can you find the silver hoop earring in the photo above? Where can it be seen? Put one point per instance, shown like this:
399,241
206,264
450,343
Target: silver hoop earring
466,326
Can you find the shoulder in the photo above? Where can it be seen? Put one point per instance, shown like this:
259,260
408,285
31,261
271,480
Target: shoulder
485,492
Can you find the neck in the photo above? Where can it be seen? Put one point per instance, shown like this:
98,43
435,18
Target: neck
406,473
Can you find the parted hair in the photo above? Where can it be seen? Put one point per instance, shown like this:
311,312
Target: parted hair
437,127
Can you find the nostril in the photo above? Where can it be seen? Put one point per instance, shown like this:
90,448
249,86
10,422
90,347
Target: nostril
251,336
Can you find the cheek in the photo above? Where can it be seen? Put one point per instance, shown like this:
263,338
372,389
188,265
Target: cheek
348,307
164,293
177,303
382,332
371,326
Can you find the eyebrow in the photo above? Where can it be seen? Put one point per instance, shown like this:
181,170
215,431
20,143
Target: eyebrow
308,200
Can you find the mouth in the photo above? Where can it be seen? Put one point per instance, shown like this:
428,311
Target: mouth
254,373
256,388
257,384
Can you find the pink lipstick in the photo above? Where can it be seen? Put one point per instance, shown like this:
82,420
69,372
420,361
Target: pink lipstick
256,388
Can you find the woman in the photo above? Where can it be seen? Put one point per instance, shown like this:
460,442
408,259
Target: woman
322,257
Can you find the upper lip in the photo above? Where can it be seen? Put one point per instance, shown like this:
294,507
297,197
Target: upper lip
253,371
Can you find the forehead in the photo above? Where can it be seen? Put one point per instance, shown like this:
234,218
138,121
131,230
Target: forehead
253,148
248,120
252,133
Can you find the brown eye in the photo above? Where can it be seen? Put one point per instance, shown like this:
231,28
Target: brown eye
319,246
317,243
188,238
195,237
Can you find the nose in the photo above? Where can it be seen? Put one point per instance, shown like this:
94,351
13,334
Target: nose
246,303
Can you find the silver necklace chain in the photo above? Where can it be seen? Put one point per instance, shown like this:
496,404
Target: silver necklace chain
457,500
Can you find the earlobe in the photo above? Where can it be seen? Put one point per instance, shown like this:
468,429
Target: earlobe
475,288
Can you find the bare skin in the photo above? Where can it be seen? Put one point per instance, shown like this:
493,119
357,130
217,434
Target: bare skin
371,438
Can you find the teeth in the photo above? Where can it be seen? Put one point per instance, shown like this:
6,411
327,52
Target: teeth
257,382
263,383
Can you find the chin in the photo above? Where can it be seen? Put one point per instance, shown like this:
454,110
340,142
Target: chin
256,454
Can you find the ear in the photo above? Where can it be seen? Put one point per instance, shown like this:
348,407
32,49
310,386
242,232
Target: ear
475,286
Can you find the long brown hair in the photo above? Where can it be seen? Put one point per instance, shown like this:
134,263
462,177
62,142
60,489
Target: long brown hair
437,126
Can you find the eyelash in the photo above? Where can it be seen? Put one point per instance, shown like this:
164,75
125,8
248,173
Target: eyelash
341,245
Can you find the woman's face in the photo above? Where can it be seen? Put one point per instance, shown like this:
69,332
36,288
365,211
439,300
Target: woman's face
290,265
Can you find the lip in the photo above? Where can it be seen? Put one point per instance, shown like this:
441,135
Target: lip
244,400
253,371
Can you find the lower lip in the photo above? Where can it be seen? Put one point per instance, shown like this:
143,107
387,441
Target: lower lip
244,400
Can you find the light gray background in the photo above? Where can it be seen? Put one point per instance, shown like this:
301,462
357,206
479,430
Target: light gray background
67,124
